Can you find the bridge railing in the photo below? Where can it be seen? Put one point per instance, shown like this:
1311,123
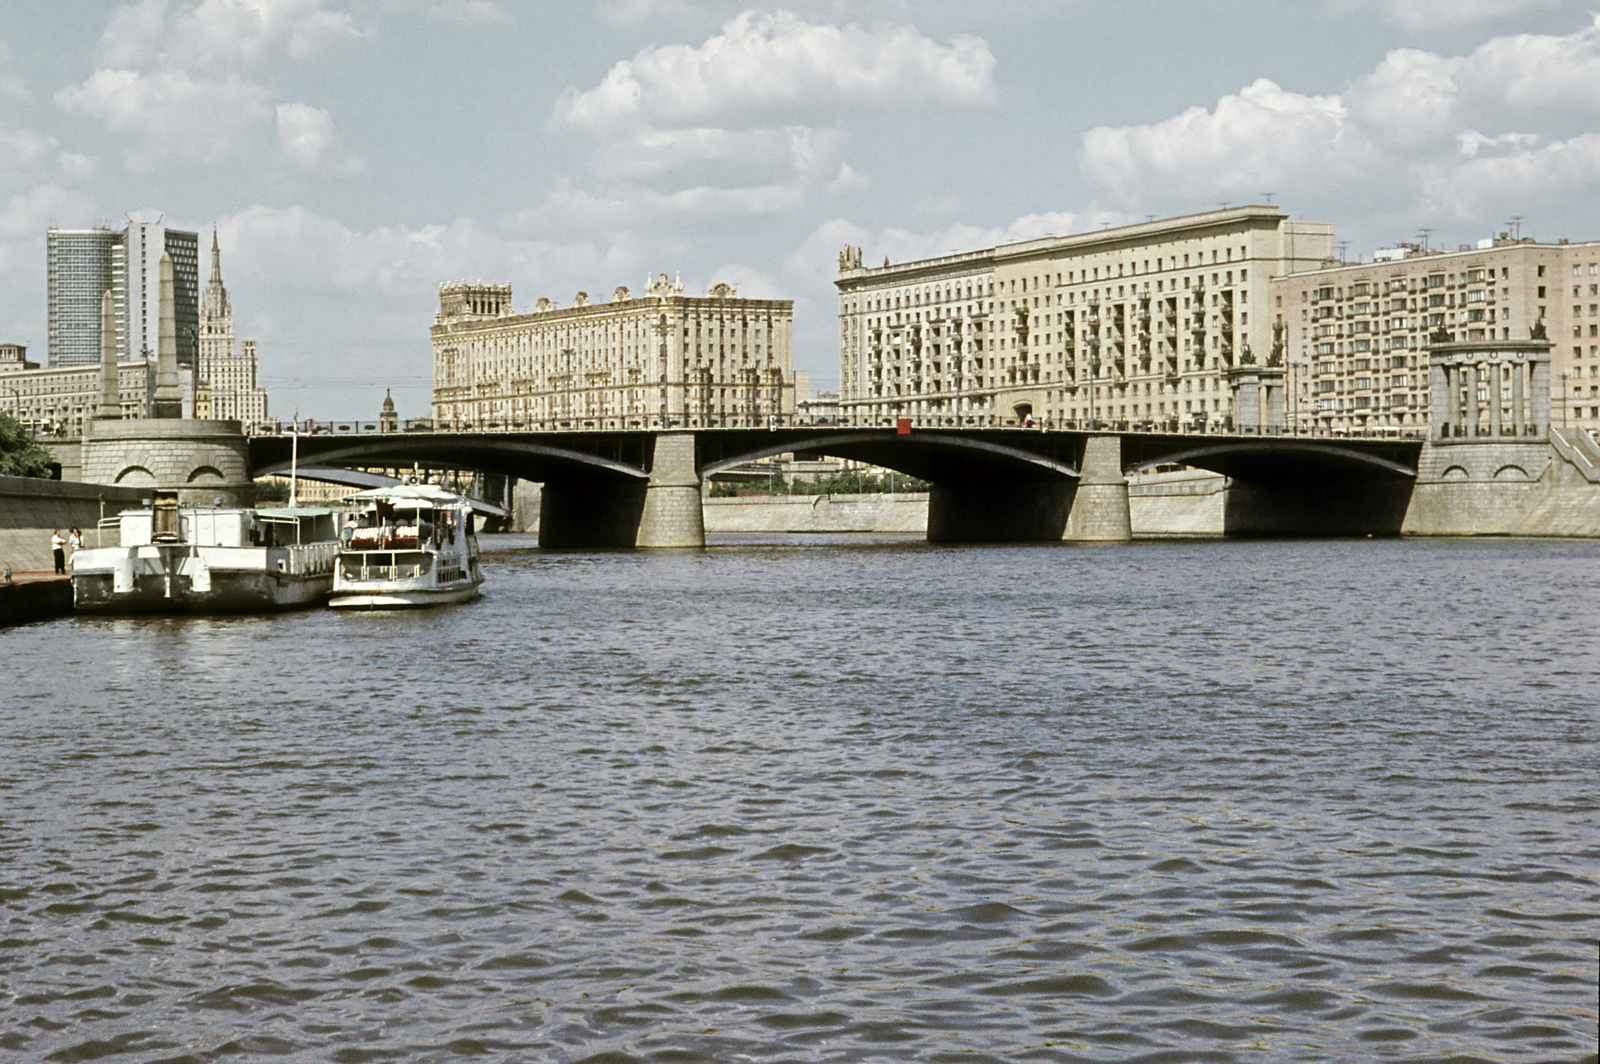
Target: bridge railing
1171,426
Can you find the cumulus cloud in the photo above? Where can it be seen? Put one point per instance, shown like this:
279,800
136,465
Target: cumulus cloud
309,140
1432,14
569,207
220,34
28,214
762,63
750,121
171,112
23,149
1420,125
180,81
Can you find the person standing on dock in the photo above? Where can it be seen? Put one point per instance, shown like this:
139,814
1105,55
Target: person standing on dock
59,545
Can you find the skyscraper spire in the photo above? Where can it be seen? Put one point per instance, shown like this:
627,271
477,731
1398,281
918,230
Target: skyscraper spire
216,260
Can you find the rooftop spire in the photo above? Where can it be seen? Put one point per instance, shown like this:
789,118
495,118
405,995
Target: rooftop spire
216,259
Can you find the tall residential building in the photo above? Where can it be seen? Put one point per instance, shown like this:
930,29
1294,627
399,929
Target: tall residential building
1136,325
82,263
1358,335
230,376
635,362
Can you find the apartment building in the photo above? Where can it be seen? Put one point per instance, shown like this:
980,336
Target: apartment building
655,360
1129,326
1358,335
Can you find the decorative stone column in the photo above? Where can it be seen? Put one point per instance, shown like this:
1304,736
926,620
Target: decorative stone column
1100,507
1439,399
1519,415
1257,398
1541,397
1453,379
672,515
1495,399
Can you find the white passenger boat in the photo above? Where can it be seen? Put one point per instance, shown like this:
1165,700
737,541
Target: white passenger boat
193,559
409,545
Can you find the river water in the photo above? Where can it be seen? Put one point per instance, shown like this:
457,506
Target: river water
808,800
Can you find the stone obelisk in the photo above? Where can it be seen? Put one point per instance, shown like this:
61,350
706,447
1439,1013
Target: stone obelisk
168,400
110,388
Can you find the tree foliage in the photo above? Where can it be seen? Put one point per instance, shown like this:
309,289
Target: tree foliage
20,453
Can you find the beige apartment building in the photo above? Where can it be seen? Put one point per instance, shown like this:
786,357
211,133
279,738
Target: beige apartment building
57,401
1358,335
660,359
1131,326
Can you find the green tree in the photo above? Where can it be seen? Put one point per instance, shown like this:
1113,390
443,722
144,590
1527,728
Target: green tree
20,454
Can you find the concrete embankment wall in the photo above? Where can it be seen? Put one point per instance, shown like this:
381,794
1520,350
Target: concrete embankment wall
907,512
1177,505
30,509
1508,489
34,600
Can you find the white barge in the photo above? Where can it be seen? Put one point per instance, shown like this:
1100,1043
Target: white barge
409,545
188,559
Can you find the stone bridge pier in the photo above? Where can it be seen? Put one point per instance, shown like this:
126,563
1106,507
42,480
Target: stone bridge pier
581,508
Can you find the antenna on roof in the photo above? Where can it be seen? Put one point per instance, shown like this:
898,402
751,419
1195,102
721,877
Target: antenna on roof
1344,248
1424,234
1516,226
1268,197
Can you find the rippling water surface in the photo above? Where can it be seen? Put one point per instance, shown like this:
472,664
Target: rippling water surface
825,802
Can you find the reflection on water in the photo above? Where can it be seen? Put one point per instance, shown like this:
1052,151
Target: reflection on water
813,800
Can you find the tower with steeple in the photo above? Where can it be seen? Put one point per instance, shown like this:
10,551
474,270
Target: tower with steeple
231,375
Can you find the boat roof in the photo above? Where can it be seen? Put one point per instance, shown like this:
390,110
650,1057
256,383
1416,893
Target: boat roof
426,494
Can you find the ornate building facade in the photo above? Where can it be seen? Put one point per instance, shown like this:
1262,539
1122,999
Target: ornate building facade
230,377
659,359
1358,335
1136,325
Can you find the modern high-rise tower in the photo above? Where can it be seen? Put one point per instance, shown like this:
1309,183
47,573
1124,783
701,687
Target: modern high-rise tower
85,262
81,264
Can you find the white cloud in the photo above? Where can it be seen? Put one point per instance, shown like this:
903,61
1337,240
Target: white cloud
171,112
1513,169
1538,70
1421,127
221,34
468,11
1432,14
627,207
1257,139
309,139
176,80
23,149
763,63
749,121
28,214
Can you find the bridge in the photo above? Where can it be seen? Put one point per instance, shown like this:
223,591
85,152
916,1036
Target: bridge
641,487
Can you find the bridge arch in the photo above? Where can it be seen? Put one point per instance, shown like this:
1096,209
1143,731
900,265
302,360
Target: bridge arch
518,457
922,454
1254,458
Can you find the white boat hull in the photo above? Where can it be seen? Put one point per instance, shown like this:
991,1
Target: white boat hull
402,598
208,579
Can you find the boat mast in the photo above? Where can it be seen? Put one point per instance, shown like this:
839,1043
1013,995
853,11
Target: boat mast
294,458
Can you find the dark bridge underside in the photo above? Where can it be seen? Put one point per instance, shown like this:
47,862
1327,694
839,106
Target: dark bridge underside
988,484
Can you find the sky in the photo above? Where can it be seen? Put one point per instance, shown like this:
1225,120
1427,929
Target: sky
354,154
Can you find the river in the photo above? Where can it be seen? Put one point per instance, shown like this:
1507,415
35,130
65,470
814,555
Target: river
814,800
